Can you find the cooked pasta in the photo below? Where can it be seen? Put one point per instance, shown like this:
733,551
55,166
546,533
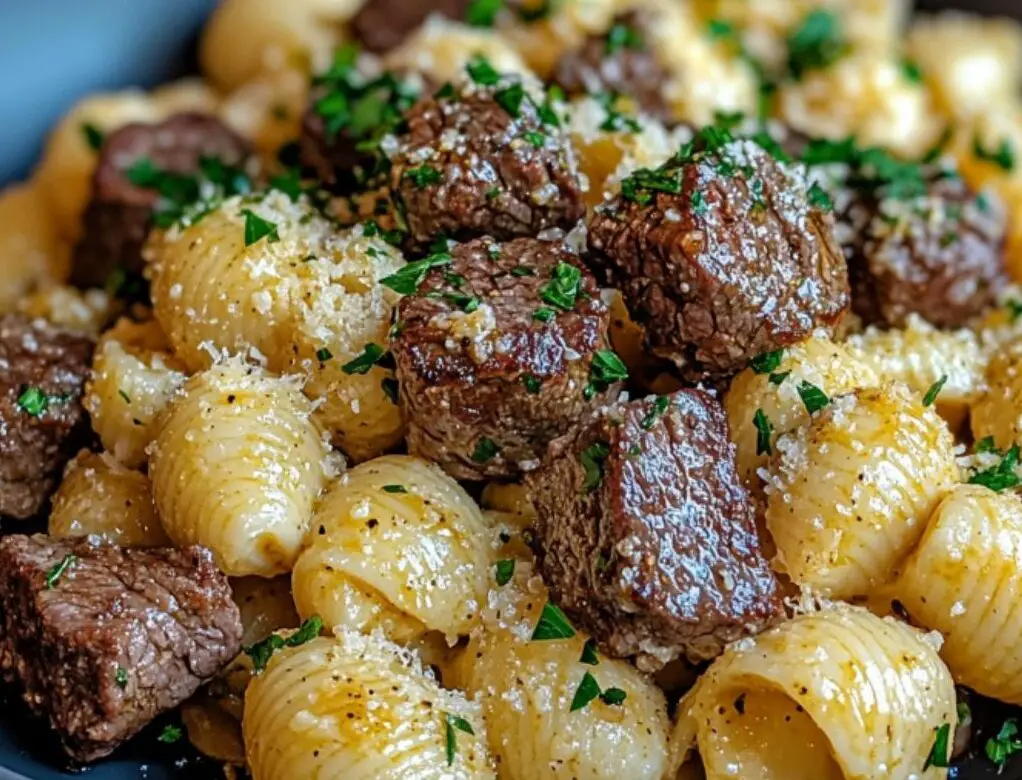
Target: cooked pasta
236,467
998,411
440,49
359,707
964,579
99,496
849,494
396,544
972,64
818,361
919,355
133,381
266,606
31,251
564,26
268,109
309,303
527,689
825,696
84,311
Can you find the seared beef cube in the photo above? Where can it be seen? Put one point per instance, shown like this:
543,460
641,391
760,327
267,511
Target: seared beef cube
102,639
42,423
722,255
495,355
481,161
939,255
645,535
380,25
618,62
128,184
348,115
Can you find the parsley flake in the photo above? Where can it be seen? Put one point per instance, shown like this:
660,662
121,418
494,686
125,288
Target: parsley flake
483,13
482,72
817,43
407,280
764,431
1003,155
1002,476
391,389
505,571
589,656
372,355
911,71
543,314
563,288
588,689
170,734
511,98
660,405
613,696
121,677
423,176
1004,745
59,570
592,458
605,369
455,722
33,401
93,136
623,36
323,354
395,489
778,378
532,384
767,362
485,450
934,391
813,398
819,198
552,624
261,652
536,140
257,228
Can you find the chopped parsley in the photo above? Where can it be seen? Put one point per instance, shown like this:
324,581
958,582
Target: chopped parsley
1003,155
523,270
511,98
819,198
605,369
423,176
261,652
505,571
778,378
257,228
391,389
407,280
764,431
1005,744
485,450
482,72
986,444
817,43
33,401
938,756
483,13
623,36
124,395
372,355
536,140
446,91
552,624
698,202
911,71
170,734
59,570
543,314
873,170
813,398
934,391
93,136
532,384
1002,476
592,458
721,29
181,195
395,489
613,696
323,354
563,287
640,185
660,406
767,362
289,182
588,689
121,677
455,722
589,656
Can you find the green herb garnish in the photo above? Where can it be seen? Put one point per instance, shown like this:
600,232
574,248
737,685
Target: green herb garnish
407,280
589,656
1004,745
660,405
592,458
1002,476
371,355
257,228
505,571
552,624
261,652
485,450
59,570
767,362
764,432
934,391
817,43
813,398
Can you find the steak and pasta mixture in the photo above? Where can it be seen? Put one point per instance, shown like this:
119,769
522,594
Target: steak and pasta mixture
527,389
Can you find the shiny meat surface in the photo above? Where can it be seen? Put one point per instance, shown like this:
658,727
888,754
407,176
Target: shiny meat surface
645,535
102,639
497,346
42,423
119,215
721,255
482,161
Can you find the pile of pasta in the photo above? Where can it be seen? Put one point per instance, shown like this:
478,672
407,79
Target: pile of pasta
227,420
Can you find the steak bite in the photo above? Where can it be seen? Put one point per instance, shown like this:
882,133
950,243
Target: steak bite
102,639
42,423
500,349
485,159
618,62
380,25
939,254
645,535
722,253
142,168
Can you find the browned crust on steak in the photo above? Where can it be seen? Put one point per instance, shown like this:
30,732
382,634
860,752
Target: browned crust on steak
34,449
661,558
735,264
164,616
467,376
